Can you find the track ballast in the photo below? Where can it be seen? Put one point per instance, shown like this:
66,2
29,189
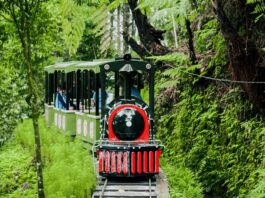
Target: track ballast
125,188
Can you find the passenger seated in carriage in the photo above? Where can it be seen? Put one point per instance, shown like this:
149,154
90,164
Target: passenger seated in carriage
109,98
60,100
135,92
69,99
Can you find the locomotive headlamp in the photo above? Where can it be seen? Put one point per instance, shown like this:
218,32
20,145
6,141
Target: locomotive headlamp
148,66
106,67
128,124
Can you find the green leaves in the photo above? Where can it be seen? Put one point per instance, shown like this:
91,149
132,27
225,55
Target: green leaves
259,190
68,168
13,106
73,23
182,181
259,8
17,172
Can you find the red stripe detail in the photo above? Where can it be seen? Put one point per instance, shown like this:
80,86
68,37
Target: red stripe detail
125,163
151,161
119,164
145,162
113,162
100,161
133,163
157,155
139,162
107,161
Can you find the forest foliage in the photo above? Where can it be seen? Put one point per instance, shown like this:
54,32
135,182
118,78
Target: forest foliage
217,138
212,127
182,181
12,102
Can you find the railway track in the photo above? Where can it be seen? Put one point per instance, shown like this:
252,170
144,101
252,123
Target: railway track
122,188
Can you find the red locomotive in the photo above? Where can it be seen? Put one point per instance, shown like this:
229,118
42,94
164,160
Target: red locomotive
127,146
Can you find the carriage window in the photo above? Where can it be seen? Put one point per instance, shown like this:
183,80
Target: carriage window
131,85
84,91
49,87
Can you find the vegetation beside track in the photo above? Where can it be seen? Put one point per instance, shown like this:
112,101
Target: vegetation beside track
218,138
182,182
68,167
13,105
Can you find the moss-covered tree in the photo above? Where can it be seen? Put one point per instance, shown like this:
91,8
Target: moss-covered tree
24,14
245,39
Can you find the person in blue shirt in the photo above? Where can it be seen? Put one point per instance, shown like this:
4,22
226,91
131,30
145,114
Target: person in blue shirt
136,93
99,98
60,100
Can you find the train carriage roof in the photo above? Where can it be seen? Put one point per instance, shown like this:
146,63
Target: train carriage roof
95,65
76,65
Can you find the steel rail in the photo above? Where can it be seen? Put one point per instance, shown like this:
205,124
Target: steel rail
103,189
150,190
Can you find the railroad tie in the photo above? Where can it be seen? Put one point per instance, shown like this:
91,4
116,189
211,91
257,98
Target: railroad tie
125,189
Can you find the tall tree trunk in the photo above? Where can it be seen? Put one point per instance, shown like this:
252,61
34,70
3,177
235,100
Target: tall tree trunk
192,54
35,118
111,27
119,30
175,33
23,15
126,25
246,60
33,102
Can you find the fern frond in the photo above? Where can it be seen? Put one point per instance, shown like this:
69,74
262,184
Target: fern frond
254,1
73,24
259,8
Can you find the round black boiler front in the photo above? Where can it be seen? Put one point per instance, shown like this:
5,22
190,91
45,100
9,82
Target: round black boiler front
128,124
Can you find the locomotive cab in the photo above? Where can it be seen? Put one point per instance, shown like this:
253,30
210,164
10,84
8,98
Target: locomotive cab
127,146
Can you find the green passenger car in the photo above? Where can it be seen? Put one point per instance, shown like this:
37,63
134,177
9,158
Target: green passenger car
80,85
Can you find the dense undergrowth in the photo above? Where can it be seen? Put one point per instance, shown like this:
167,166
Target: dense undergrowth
68,168
12,103
17,171
182,182
219,138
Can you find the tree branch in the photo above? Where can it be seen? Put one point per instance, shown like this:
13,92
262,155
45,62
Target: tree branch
226,26
191,45
16,22
5,18
149,36
139,49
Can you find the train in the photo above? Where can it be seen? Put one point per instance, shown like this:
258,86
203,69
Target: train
100,103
